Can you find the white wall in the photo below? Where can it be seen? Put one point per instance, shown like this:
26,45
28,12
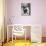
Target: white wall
38,13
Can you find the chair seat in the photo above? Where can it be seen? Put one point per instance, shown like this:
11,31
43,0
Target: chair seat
18,33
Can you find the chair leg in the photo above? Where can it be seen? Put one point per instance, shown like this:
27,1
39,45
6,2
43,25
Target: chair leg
15,38
25,36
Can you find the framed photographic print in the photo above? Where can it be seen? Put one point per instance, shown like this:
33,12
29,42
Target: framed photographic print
25,9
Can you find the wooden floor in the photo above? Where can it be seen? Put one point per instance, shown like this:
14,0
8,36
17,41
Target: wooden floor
23,43
18,43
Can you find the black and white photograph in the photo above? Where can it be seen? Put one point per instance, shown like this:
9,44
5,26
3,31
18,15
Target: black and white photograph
25,9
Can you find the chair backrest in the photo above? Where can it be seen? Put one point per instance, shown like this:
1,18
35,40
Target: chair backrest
18,30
